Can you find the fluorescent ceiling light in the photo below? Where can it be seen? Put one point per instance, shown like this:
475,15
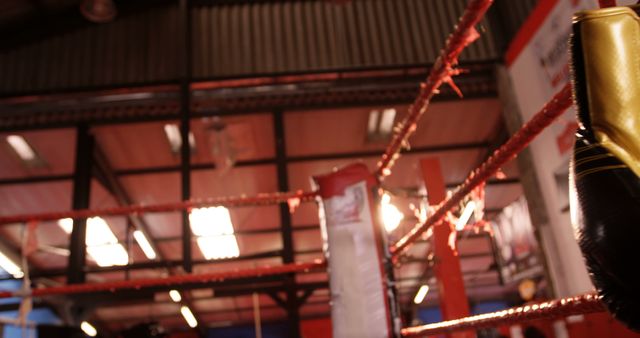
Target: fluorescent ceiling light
98,231
22,148
188,316
214,230
422,293
175,296
380,124
219,247
386,121
108,255
466,215
10,266
212,221
175,139
391,216
374,117
102,244
66,224
88,329
144,244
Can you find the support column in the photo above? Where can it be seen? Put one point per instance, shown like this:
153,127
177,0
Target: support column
453,297
292,305
361,297
185,149
81,195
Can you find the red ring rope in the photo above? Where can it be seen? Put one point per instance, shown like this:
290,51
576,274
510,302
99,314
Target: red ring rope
169,281
587,303
554,108
442,71
261,199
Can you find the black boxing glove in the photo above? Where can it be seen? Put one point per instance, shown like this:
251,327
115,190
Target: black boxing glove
605,168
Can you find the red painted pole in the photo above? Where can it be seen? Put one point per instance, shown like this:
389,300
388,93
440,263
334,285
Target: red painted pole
453,297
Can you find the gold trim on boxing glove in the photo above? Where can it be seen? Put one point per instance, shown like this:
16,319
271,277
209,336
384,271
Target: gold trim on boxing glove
610,41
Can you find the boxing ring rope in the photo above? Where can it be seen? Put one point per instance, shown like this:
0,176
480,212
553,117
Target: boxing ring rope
442,71
258,200
554,108
584,304
170,281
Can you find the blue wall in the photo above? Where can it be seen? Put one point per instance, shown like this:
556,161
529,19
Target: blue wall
432,314
278,330
39,316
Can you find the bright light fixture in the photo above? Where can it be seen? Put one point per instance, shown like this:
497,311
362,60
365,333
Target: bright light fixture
66,224
391,216
88,329
422,293
466,215
22,148
10,266
144,244
219,247
386,121
175,139
212,221
374,117
188,316
102,244
108,255
214,230
175,296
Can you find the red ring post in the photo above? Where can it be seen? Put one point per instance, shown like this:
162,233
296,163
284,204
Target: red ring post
463,35
587,303
554,108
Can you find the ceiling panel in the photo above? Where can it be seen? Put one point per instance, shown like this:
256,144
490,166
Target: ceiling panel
56,147
345,130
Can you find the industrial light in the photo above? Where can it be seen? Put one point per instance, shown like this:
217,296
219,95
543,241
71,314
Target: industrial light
102,244
219,247
22,148
175,296
144,244
88,329
386,121
212,221
108,255
380,124
175,139
391,216
422,293
374,117
10,266
214,230
188,316
466,214
66,224
99,11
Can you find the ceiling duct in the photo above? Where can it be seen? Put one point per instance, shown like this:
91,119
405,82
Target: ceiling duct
99,11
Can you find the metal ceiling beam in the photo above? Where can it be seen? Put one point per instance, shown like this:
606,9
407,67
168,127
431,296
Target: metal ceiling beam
343,92
159,264
81,196
210,312
288,254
